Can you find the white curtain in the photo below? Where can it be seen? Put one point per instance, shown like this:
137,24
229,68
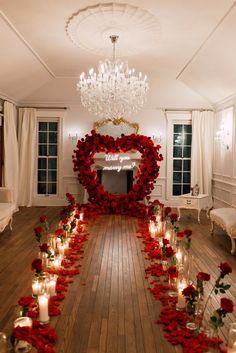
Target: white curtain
27,155
11,157
202,150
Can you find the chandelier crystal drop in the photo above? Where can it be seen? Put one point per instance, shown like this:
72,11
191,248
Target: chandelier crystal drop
115,91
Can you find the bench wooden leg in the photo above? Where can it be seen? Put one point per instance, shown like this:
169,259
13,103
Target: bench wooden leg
11,220
212,227
233,246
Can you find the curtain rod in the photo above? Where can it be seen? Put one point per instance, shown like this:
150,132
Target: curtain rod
187,109
46,108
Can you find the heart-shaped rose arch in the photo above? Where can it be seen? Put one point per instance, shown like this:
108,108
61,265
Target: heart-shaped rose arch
143,185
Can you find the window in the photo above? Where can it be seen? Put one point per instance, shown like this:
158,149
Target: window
182,140
47,171
179,142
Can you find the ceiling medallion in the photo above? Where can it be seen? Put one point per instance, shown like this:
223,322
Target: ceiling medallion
90,27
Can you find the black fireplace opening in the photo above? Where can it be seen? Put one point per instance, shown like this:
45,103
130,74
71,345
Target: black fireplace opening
116,182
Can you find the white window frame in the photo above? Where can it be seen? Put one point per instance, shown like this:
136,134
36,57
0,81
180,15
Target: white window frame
50,116
178,117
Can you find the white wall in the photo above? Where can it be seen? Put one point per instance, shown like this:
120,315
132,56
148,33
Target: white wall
224,166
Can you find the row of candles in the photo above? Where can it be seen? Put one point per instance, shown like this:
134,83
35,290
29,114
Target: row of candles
159,230
45,286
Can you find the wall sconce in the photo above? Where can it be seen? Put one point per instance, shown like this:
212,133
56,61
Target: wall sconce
157,138
73,136
223,135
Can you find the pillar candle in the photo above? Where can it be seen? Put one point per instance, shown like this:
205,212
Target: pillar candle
43,308
81,216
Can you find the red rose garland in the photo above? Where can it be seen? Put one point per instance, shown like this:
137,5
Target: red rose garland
148,171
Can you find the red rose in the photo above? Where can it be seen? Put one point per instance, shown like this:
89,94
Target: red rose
167,210
225,268
38,230
25,301
180,235
202,276
65,221
173,217
165,241
227,305
44,247
37,265
43,218
59,232
169,251
188,232
189,291
172,272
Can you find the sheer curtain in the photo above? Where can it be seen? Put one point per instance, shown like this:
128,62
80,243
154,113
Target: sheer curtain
11,157
27,154
202,150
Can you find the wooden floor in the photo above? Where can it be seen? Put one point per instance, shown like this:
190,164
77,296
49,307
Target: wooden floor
113,312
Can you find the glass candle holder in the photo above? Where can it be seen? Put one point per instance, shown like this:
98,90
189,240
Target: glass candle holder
36,287
21,346
3,343
232,338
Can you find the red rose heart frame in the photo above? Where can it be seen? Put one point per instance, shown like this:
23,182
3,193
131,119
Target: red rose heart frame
148,171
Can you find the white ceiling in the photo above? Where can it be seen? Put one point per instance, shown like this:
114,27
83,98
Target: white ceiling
188,52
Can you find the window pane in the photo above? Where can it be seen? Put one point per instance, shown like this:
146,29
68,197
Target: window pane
52,175
43,126
52,150
52,163
52,126
52,188
186,178
42,150
52,137
186,189
42,137
187,165
177,165
41,188
42,163
178,128
187,152
188,139
178,138
176,189
188,128
177,177
42,175
177,152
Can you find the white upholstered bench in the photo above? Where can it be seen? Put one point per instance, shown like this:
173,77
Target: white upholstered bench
226,219
7,208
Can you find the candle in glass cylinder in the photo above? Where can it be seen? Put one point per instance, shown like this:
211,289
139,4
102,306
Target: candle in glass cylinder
61,249
232,338
21,345
3,343
36,287
81,216
43,309
52,287
23,321
181,302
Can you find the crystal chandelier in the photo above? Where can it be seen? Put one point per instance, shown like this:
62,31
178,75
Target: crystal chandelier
115,91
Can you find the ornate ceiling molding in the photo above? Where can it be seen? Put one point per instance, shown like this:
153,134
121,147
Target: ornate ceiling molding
89,28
